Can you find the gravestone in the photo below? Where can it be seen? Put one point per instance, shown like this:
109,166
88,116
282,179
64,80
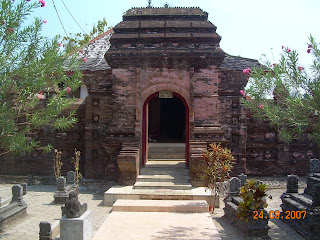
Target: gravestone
314,165
243,179
254,228
71,178
24,187
292,183
316,196
235,184
64,189
61,184
17,194
45,231
308,201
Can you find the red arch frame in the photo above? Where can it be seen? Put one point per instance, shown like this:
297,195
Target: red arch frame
144,127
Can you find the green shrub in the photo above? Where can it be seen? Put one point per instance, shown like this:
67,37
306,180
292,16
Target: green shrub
253,194
219,162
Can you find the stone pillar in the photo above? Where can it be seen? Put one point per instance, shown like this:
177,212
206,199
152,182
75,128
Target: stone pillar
71,178
243,179
235,184
292,184
17,194
45,232
314,165
316,195
80,228
24,187
61,184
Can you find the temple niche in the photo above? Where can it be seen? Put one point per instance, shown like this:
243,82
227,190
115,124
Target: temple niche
161,76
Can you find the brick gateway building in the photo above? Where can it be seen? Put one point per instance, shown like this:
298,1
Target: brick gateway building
160,76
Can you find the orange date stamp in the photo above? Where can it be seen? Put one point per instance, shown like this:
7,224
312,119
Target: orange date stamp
276,215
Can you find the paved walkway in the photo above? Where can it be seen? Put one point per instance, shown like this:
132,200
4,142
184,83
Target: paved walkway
41,208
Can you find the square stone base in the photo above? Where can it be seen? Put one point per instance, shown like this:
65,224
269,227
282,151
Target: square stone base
77,228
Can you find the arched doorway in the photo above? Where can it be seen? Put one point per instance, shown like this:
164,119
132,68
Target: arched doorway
165,120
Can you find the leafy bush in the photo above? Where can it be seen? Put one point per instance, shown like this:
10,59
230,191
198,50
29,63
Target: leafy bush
219,162
253,194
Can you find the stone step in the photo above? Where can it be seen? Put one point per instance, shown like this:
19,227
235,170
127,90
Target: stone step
165,171
157,226
167,149
166,145
166,159
166,155
162,185
182,206
165,164
162,178
128,192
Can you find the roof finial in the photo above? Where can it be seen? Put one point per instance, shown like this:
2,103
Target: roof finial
149,3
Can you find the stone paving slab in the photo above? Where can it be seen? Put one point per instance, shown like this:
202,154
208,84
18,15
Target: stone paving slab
157,225
183,206
41,208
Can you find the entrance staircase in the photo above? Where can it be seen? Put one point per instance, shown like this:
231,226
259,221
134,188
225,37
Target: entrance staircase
164,177
162,204
165,168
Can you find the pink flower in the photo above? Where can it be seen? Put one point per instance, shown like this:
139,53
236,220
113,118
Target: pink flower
3,22
300,68
44,21
246,71
42,2
288,50
39,95
282,47
81,51
84,59
68,89
261,106
242,92
309,50
309,46
60,45
10,30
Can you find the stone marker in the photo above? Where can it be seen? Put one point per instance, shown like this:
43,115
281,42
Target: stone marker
61,184
316,195
24,187
45,231
71,178
243,179
73,208
292,183
314,165
77,228
17,194
235,184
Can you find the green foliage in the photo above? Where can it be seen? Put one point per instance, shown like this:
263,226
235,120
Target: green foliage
219,162
32,70
253,196
287,95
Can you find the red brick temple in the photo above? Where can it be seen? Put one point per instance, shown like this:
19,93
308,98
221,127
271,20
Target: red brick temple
160,76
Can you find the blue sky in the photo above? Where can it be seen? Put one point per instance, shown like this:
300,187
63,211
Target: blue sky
249,28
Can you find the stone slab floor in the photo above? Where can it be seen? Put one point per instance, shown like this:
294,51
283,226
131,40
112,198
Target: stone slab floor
41,208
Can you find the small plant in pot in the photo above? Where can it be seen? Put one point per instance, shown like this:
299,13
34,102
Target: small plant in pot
219,162
253,195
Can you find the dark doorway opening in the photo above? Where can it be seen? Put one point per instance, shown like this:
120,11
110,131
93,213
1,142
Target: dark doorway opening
166,118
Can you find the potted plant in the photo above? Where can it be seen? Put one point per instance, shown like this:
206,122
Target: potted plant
219,162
